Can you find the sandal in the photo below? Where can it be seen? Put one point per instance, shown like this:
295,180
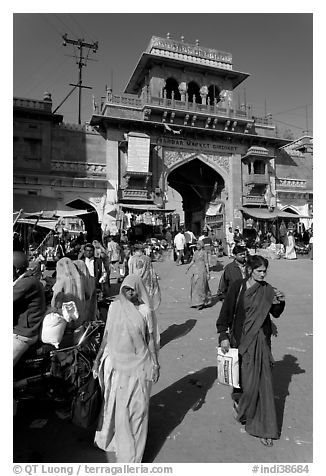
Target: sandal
266,441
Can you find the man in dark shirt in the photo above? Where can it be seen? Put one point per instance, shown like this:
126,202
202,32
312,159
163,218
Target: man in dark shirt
233,271
28,306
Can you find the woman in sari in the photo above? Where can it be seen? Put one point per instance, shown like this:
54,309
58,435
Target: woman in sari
290,247
200,294
126,365
70,286
245,314
90,290
142,266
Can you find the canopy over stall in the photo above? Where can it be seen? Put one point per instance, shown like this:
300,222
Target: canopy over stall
270,215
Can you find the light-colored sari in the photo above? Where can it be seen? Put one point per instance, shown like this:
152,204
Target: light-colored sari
142,266
125,374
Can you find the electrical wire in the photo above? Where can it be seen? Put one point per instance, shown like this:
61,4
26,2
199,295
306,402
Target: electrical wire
57,69
66,26
81,28
42,15
290,125
293,109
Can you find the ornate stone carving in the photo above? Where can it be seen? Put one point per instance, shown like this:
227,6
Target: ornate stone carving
78,167
173,157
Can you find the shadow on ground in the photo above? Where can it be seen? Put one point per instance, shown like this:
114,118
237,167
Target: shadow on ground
169,407
177,330
217,267
282,376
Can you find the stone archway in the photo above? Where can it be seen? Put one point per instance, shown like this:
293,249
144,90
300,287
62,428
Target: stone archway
200,179
92,225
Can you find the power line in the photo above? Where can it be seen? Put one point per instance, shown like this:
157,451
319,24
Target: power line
293,109
42,15
290,125
64,24
80,27
80,44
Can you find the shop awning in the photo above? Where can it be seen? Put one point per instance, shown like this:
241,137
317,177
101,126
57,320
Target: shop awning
145,207
48,224
264,214
214,209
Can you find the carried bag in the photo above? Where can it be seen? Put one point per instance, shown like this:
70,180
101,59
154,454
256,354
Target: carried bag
53,328
228,367
86,405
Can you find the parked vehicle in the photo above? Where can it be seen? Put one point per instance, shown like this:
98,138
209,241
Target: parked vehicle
301,248
47,373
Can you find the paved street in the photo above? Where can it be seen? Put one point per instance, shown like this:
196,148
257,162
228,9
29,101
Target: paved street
191,417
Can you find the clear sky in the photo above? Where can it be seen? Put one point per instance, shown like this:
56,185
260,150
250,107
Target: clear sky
276,49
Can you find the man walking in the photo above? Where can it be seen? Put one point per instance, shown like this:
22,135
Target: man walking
179,244
230,241
233,271
94,265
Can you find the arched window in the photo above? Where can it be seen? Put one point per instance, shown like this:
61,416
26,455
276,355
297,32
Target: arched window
213,93
259,167
172,85
193,90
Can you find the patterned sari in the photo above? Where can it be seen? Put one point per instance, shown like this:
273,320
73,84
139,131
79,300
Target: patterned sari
256,405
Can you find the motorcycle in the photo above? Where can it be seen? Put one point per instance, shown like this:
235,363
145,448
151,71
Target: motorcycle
56,374
301,248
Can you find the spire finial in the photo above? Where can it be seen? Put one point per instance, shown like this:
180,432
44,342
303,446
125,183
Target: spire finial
182,39
197,42
168,36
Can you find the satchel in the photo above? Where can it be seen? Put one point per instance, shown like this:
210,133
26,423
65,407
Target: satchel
87,403
228,367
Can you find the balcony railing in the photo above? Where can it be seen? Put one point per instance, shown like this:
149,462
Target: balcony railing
259,179
291,183
253,200
33,104
187,106
134,194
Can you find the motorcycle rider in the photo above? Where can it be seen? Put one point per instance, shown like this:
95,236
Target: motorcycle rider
29,306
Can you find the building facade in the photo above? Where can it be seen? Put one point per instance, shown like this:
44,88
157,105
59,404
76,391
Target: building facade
177,125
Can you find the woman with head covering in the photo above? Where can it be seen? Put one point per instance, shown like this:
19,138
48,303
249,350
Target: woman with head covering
245,315
126,365
142,266
69,286
200,294
290,252
90,289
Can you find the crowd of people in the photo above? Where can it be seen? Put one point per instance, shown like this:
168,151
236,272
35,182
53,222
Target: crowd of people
127,363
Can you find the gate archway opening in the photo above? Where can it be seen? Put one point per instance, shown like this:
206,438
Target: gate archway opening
198,184
92,225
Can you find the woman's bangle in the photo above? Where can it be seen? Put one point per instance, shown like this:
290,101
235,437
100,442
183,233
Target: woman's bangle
156,365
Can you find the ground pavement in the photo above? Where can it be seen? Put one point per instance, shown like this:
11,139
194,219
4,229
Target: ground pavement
191,418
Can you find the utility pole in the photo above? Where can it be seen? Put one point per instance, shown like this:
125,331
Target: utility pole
80,45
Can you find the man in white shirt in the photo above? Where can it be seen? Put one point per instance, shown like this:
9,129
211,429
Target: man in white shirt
179,244
230,241
94,265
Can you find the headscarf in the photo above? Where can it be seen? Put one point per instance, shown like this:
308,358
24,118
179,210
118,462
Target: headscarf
89,283
141,265
126,330
69,286
90,289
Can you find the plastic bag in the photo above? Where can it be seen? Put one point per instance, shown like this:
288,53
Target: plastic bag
53,328
228,367
70,311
